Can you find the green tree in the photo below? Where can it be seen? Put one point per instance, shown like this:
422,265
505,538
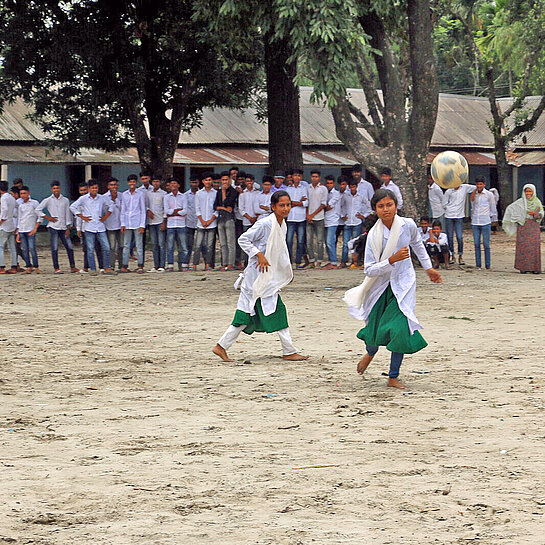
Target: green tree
102,73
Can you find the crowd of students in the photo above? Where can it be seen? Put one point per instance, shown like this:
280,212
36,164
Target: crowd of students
113,226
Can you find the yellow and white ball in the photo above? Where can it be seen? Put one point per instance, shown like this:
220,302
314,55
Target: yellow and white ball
450,169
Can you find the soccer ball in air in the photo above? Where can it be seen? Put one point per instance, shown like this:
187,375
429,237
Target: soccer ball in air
449,169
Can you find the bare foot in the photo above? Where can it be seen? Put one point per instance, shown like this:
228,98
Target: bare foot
220,351
364,363
394,383
295,357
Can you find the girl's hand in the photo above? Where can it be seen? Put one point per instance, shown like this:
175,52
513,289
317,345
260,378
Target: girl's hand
262,263
434,276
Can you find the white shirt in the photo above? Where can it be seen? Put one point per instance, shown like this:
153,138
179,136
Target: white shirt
113,221
298,213
204,207
316,197
333,216
133,209
424,235
483,208
352,205
442,240
366,189
145,189
454,201
191,217
28,217
94,209
57,208
171,202
263,199
435,196
341,221
396,191
8,212
155,203
247,204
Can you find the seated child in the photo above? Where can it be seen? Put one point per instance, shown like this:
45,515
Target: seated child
437,246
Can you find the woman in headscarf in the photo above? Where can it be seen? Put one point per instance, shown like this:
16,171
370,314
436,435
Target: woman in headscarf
523,218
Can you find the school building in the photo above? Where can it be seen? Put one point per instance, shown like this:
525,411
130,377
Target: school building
235,137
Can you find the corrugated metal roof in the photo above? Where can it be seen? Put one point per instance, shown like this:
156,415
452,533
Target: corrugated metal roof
526,158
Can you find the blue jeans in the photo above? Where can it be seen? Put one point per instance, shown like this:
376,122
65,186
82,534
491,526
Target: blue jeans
483,230
28,246
298,227
98,250
455,224
177,234
54,235
158,243
331,243
138,237
350,232
395,360
90,240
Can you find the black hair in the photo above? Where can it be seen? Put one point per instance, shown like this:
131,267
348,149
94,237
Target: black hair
241,174
234,168
386,170
24,188
357,168
111,179
330,177
268,178
174,179
250,176
315,171
425,218
215,176
224,173
17,181
207,175
156,177
91,182
369,221
437,223
15,189
289,172
352,182
342,178
83,184
277,194
4,186
132,177
144,174
55,183
480,179
382,194
298,171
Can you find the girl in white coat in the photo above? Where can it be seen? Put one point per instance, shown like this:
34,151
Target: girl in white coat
386,299
260,307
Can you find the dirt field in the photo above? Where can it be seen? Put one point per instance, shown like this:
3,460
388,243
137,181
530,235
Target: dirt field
118,425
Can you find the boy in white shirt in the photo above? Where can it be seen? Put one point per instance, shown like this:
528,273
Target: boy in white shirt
133,223
437,245
155,203
317,202
386,177
28,221
331,221
206,222
8,217
113,223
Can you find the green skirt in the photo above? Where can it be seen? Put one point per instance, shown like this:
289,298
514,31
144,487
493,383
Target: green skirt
388,326
259,322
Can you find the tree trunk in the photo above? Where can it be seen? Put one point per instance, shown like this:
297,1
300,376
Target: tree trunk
504,174
284,122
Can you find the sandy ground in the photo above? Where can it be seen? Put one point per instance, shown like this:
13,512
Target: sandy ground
118,425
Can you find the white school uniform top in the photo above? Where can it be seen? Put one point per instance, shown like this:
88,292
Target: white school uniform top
8,213
113,221
366,189
454,201
133,209
28,216
442,241
247,205
352,205
316,197
341,215
298,213
144,189
191,217
57,208
396,191
171,202
483,208
263,199
400,275
94,209
333,216
424,235
155,204
204,207
435,196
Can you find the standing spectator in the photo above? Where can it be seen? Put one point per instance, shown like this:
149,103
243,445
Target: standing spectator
224,205
216,182
264,198
496,194
94,209
17,182
317,202
296,220
207,222
331,222
279,177
233,174
155,201
133,224
435,198
240,186
175,209
342,183
248,203
59,220
364,187
288,182
145,181
8,213
454,203
386,177
191,216
483,213
28,221
354,209
113,224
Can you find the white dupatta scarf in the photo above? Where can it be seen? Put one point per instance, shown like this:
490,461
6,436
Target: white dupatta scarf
280,273
355,297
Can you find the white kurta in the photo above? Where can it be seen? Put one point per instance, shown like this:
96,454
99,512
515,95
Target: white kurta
252,242
401,275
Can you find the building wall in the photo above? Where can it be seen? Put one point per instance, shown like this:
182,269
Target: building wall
531,175
38,177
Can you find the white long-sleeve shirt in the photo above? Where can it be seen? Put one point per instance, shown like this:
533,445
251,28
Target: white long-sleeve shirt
316,197
333,216
263,199
435,196
351,205
57,208
442,240
298,213
28,216
247,205
8,213
483,208
191,217
155,203
454,201
113,221
133,209
93,208
204,207
366,189
172,202
396,191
